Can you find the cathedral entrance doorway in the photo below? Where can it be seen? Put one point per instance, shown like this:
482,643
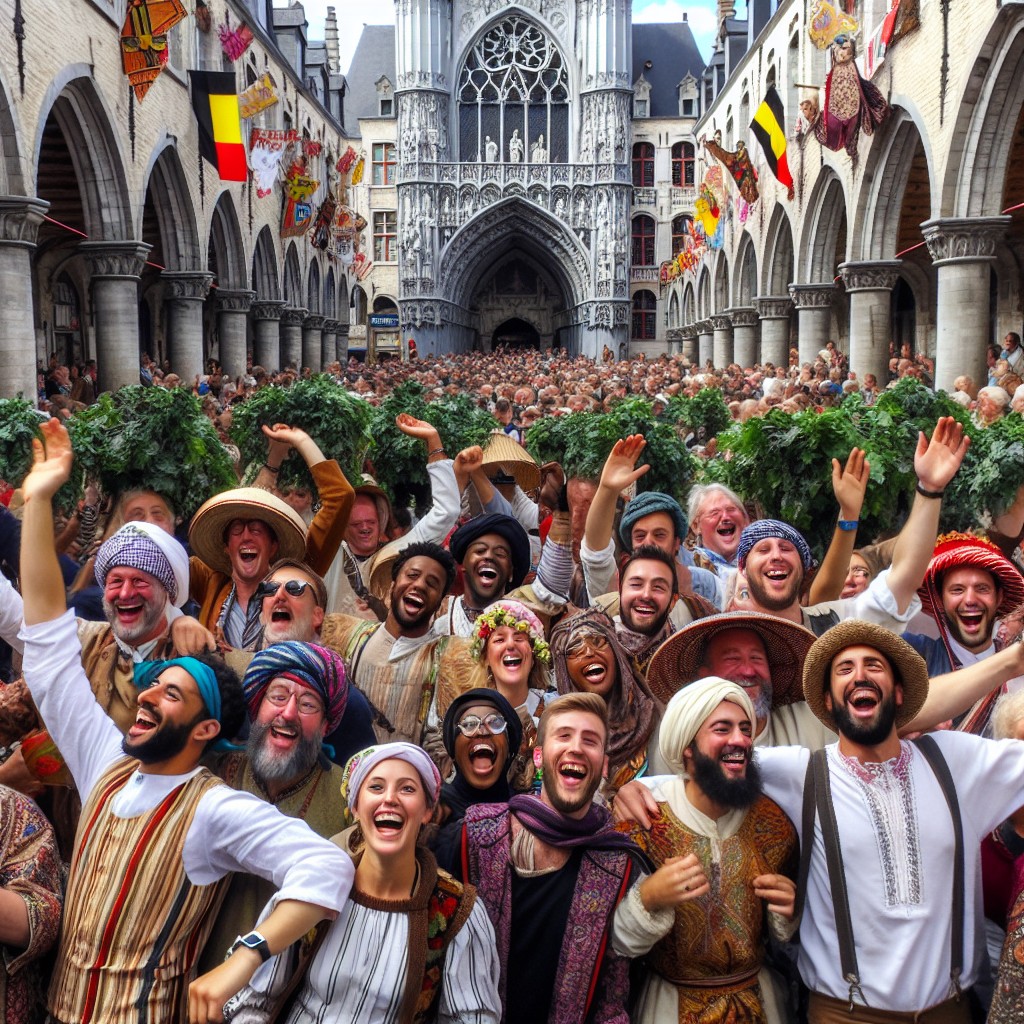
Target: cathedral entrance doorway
515,333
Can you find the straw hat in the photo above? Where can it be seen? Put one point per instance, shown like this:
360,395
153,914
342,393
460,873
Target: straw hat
678,661
502,451
908,667
206,534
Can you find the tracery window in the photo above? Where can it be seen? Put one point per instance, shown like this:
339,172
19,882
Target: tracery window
514,89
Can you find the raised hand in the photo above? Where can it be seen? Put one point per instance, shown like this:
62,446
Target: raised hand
936,461
415,428
51,462
619,472
850,482
469,460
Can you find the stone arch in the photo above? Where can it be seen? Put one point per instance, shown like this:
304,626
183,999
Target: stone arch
704,309
293,290
227,252
96,161
343,300
167,199
823,245
313,288
689,304
478,244
744,286
12,156
721,283
896,159
673,310
778,267
330,300
266,280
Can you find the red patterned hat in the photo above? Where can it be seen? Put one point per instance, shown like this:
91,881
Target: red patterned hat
966,550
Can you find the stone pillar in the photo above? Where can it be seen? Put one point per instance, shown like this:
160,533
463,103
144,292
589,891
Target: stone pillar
962,249
186,292
19,222
311,341
705,342
341,343
232,328
328,343
114,269
774,311
722,351
267,316
869,285
744,335
689,336
814,317
292,319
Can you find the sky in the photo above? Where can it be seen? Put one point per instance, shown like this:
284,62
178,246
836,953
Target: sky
353,14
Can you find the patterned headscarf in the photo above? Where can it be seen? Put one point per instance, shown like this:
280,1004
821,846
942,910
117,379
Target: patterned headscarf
762,529
520,618
359,766
646,503
317,667
149,549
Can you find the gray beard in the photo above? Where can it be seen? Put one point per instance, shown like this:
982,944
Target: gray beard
277,768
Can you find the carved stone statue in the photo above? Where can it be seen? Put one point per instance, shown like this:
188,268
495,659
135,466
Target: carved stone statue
490,150
515,148
539,155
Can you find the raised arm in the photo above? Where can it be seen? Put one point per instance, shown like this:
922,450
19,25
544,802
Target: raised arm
619,473
849,484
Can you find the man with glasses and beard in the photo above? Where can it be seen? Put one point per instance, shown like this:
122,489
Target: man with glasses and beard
551,872
725,853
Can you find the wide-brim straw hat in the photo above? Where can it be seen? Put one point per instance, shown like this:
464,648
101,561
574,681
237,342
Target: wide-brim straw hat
379,570
502,450
369,488
909,668
206,534
678,660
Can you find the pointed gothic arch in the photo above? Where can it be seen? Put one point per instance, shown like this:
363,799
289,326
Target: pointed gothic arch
226,246
266,280
167,198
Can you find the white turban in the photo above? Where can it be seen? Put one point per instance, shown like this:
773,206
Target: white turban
689,709
148,548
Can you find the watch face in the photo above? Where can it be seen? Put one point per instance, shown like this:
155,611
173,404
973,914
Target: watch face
252,940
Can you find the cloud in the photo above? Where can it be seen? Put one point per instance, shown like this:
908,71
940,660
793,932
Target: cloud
351,18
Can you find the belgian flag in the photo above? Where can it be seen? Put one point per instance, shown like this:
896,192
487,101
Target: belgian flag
215,101
768,129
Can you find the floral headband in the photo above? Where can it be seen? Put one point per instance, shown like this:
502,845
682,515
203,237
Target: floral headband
520,618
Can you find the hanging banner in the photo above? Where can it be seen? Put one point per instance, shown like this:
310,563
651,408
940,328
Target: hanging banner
257,97
320,237
347,161
357,171
215,103
827,22
234,41
144,40
361,266
297,217
266,147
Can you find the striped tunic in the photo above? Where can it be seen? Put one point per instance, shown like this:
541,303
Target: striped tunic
119,967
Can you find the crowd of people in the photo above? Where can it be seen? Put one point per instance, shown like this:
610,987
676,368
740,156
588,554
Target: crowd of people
573,755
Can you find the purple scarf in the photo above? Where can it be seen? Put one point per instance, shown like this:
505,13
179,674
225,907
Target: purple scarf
593,831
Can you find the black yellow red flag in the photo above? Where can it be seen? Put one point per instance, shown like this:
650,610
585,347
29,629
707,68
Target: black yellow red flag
215,101
768,127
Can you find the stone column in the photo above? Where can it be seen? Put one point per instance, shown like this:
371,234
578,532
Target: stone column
232,328
292,319
328,343
722,351
705,342
185,292
774,311
114,269
19,222
869,285
311,341
744,335
267,316
814,317
689,336
962,249
341,343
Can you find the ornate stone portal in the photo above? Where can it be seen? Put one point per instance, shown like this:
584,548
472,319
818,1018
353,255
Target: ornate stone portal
533,170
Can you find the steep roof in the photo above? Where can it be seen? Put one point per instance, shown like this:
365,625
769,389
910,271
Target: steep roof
672,52
374,56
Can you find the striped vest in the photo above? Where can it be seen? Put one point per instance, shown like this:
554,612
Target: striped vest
133,922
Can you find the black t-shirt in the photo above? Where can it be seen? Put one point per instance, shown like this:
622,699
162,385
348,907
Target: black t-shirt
540,912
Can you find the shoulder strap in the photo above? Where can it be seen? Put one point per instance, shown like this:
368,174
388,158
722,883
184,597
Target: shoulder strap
806,837
927,745
822,622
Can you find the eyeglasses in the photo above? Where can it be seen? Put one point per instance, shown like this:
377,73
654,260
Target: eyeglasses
585,643
294,588
494,724
308,704
237,526
859,573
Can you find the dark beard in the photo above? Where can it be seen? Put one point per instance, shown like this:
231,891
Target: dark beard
293,767
166,742
864,734
712,781
582,800
766,600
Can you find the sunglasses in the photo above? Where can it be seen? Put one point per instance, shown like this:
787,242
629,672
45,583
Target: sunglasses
294,588
494,724
585,643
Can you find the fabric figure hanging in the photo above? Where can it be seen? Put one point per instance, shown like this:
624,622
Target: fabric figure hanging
144,40
737,164
852,104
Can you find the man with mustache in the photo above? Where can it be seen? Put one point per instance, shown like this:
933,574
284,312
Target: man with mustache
724,853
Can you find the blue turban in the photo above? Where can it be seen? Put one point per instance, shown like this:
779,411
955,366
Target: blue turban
647,503
763,529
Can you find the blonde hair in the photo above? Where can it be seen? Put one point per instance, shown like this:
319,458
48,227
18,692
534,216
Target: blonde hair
1007,715
591,703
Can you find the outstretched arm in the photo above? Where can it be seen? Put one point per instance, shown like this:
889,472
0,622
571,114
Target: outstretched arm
280,439
619,473
849,484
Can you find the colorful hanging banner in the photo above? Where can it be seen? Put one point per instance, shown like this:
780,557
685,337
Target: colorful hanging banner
320,237
826,22
737,164
260,95
296,219
266,147
357,171
361,265
347,160
234,41
144,40
215,102
769,129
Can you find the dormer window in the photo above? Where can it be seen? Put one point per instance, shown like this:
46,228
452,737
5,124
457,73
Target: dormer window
385,97
688,95
642,98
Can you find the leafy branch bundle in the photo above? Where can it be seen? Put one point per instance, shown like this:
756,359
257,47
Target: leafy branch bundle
400,460
19,423
706,413
338,422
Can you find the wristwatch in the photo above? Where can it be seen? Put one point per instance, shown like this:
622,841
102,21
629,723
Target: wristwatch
253,941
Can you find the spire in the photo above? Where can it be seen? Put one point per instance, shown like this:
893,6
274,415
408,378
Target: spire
331,41
726,9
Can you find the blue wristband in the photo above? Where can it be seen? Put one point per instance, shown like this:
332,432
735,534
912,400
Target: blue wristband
848,525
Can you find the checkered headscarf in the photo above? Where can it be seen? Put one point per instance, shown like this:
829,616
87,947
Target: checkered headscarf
149,549
762,529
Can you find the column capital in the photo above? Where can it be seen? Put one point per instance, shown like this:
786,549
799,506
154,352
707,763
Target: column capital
774,307
963,239
330,325
720,322
314,322
742,316
187,284
341,329
267,309
811,296
294,316
20,217
704,326
689,331
870,275
229,301
115,259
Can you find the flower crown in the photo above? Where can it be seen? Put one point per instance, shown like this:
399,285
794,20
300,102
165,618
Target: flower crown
489,621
